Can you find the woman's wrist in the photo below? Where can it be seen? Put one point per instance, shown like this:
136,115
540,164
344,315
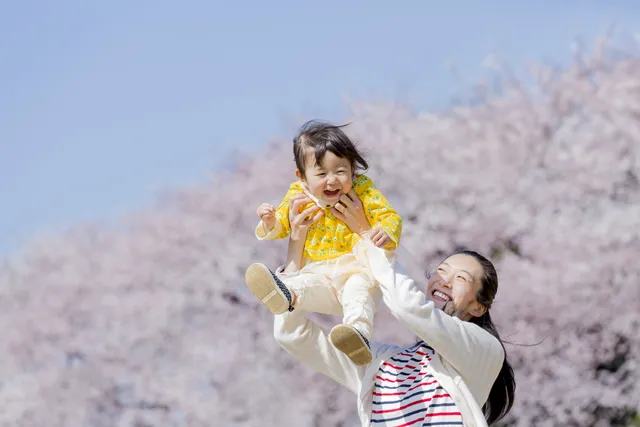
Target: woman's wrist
294,254
362,226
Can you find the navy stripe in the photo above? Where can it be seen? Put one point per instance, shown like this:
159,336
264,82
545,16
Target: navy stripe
407,397
443,423
414,348
440,423
413,359
421,413
399,373
402,385
436,405
382,420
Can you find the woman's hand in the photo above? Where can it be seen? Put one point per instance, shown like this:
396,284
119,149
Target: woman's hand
350,211
301,221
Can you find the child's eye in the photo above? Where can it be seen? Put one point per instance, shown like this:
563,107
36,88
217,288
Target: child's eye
441,270
321,174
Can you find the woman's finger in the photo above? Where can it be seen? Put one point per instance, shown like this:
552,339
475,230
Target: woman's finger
307,213
340,207
352,201
338,214
315,218
352,194
297,201
346,201
354,197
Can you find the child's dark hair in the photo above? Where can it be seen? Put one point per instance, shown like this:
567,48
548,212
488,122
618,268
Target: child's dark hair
322,137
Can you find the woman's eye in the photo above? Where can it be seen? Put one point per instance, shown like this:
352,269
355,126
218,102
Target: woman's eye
462,277
441,270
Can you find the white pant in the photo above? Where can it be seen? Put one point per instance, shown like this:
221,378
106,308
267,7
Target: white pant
353,296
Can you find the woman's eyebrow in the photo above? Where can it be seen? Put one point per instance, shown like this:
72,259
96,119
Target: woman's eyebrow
464,271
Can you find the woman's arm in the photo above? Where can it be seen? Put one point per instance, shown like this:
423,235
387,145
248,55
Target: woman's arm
294,256
303,338
379,211
471,350
464,345
307,342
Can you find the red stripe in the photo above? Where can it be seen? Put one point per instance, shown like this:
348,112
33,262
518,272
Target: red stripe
400,368
419,377
421,384
384,411
430,415
393,366
405,366
403,392
395,381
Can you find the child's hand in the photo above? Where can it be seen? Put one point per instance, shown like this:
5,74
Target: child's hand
379,237
267,214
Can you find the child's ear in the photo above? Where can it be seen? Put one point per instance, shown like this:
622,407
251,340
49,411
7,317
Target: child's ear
299,175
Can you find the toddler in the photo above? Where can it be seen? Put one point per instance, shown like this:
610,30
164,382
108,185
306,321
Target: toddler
334,265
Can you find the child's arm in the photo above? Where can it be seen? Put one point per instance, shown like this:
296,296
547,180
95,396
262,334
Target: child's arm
281,229
378,210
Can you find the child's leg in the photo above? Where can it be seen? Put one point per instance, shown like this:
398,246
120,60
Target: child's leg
309,291
314,293
358,302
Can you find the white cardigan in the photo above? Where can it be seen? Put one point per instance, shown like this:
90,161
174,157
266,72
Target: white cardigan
469,361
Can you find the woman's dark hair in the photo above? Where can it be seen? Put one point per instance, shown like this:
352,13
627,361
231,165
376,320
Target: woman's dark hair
503,390
322,137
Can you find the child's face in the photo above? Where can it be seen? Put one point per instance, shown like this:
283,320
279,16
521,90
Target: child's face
327,182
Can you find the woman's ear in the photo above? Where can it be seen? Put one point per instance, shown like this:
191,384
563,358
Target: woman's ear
477,309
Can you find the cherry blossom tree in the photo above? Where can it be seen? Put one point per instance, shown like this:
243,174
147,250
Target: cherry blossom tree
148,323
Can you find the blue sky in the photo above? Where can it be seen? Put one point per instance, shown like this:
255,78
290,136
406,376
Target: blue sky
103,104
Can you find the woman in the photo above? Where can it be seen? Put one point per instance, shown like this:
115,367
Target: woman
457,374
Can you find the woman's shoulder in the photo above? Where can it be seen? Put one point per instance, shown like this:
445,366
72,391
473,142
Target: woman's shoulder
492,347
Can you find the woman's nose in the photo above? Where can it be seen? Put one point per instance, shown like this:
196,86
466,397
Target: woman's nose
446,281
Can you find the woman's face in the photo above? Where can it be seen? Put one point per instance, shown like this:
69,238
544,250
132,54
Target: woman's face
454,284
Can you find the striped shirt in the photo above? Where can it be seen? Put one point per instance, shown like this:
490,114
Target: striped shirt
406,395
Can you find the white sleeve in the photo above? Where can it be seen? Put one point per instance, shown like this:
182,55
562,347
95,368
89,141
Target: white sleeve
471,350
307,342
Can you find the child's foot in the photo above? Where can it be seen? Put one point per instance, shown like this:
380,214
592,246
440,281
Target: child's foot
350,341
270,290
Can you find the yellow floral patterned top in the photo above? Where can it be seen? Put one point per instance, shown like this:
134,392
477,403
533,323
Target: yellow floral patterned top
329,237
